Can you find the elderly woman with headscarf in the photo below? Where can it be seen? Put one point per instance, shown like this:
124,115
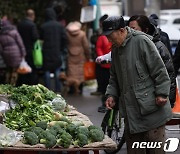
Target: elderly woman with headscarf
78,51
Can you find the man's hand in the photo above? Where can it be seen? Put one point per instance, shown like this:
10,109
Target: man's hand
161,100
110,103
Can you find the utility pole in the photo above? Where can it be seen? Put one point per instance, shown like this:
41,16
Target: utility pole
152,6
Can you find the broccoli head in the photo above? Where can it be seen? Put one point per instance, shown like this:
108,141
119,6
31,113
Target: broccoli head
96,135
36,130
94,127
81,140
72,129
42,124
48,139
83,130
42,135
65,140
30,138
52,130
56,129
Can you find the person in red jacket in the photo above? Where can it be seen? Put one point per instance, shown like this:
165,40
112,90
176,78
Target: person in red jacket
103,46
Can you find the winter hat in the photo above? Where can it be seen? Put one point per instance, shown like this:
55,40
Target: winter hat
74,26
112,23
154,19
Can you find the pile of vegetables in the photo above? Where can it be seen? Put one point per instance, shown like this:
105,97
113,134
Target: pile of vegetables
30,104
41,115
62,133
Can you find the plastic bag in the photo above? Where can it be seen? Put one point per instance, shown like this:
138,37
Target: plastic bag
24,68
59,103
37,54
3,106
9,137
89,70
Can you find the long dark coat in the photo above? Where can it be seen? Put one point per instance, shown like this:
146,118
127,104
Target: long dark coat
167,59
176,58
29,34
54,41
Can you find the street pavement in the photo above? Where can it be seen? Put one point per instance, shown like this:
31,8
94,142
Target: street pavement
88,105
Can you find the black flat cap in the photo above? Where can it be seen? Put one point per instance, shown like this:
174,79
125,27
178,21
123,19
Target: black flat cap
153,18
112,23
103,18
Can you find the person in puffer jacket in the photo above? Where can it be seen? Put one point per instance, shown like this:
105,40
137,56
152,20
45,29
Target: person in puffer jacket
145,25
13,50
167,59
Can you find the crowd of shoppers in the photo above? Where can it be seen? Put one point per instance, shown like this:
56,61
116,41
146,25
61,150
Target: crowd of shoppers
142,23
17,43
141,79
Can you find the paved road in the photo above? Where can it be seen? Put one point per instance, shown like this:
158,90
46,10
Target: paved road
88,105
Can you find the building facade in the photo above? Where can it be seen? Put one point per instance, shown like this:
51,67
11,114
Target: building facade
148,6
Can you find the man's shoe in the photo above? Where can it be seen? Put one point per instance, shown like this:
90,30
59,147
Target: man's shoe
97,93
102,109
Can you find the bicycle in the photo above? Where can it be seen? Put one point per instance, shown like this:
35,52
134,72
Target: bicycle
113,126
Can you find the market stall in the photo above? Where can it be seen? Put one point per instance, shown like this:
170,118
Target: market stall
59,116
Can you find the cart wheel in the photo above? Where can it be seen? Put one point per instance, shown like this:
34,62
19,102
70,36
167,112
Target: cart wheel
115,131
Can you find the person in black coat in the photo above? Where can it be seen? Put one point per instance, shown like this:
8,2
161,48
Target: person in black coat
163,35
167,59
148,27
29,33
176,58
54,42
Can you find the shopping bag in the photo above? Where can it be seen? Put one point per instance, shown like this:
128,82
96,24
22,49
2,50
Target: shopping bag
37,54
24,68
89,70
176,108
